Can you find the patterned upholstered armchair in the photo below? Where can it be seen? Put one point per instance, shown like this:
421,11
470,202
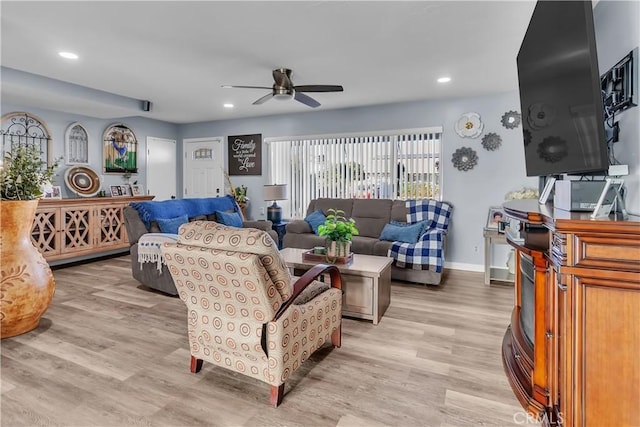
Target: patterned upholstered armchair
245,313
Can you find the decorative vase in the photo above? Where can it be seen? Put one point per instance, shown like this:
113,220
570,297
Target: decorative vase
336,249
243,209
26,281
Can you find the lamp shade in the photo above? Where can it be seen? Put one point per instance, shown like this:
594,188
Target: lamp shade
275,192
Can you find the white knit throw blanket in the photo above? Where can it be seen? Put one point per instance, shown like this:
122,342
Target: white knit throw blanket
149,247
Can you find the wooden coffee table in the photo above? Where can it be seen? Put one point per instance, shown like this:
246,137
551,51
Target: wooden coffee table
366,283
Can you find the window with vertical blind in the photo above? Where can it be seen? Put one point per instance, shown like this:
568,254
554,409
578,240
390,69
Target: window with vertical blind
382,165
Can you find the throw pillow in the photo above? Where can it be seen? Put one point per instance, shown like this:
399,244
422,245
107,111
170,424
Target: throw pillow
171,225
231,219
406,233
315,220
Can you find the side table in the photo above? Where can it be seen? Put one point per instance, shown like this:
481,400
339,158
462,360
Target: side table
492,237
280,228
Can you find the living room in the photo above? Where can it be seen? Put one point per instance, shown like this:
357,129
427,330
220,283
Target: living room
471,192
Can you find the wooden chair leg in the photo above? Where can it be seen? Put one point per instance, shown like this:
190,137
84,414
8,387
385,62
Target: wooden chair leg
336,337
196,364
275,397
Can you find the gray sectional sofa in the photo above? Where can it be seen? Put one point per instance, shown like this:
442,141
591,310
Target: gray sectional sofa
371,215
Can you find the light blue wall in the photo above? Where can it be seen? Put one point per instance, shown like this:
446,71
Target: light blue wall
57,122
617,33
471,192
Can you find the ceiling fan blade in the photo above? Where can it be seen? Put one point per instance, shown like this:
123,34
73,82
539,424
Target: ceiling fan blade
318,88
244,87
306,100
264,99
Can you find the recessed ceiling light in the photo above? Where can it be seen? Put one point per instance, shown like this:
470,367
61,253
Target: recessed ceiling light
444,79
68,55
228,105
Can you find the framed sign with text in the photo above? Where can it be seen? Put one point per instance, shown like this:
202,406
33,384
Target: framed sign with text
245,154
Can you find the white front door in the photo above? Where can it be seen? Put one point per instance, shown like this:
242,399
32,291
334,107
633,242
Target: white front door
161,168
203,163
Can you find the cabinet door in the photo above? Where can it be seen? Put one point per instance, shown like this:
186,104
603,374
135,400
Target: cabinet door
77,232
557,347
45,233
110,230
606,339
357,295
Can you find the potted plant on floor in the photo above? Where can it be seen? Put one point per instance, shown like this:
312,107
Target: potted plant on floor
26,281
339,232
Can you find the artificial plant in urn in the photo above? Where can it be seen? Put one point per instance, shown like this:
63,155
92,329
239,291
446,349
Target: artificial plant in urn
339,231
26,281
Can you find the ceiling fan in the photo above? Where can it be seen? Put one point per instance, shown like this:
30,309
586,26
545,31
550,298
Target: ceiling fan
283,88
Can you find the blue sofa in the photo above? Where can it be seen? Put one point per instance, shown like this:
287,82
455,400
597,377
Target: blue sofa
142,218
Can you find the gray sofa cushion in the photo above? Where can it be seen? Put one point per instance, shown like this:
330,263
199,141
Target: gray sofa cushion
325,204
363,245
381,248
399,211
371,216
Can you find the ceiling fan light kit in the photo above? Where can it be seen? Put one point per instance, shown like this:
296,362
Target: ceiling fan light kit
283,89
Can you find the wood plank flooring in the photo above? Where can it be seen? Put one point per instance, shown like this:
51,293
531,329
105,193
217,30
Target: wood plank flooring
110,352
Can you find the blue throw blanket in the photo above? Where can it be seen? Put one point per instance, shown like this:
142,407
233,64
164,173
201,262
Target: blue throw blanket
166,209
428,251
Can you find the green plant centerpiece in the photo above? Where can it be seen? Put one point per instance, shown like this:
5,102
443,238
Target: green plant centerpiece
338,231
26,281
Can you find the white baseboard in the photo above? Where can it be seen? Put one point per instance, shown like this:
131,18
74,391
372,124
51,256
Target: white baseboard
464,266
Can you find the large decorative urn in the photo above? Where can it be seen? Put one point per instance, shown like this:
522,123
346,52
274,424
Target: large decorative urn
26,281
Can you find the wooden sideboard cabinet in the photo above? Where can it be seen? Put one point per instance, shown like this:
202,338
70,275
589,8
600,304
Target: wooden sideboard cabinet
572,351
67,229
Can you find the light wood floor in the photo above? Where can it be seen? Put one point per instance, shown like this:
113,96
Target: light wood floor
109,352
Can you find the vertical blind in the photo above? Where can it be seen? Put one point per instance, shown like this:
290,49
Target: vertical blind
385,165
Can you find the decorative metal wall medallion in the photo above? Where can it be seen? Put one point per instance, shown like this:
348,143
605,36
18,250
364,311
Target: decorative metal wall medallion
76,141
469,125
491,141
464,159
511,119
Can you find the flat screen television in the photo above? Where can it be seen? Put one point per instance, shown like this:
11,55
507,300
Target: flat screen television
560,92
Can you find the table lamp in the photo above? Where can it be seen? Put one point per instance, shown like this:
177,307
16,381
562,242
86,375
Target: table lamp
275,192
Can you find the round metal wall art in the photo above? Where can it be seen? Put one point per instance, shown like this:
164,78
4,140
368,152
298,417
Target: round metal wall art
464,159
511,119
82,180
491,141
469,125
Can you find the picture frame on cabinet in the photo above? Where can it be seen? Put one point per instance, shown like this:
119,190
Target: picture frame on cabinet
136,190
126,190
116,191
55,193
495,217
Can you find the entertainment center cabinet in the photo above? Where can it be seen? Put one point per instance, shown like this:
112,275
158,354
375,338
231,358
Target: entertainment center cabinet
572,351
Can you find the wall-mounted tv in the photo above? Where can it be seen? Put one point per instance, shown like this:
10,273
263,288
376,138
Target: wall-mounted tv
560,95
